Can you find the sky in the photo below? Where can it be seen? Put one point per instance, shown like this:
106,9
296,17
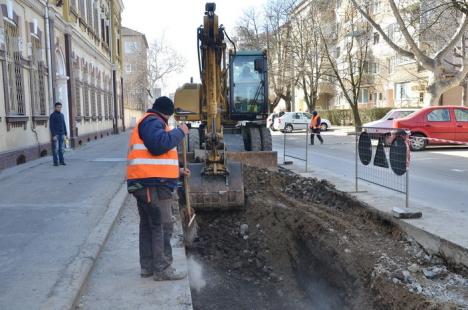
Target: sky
177,21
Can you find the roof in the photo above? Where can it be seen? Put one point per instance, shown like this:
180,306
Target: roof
133,33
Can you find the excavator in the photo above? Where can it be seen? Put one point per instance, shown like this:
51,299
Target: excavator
231,105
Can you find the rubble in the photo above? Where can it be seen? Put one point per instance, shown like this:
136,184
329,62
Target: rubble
306,239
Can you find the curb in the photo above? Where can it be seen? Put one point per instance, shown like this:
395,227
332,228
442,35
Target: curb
455,254
66,291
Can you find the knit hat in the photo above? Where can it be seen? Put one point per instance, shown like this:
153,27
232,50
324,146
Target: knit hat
314,113
164,105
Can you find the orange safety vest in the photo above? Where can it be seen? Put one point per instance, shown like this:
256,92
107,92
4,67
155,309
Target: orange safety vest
141,164
313,122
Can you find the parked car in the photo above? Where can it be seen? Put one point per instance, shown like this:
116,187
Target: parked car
445,123
291,121
271,120
379,126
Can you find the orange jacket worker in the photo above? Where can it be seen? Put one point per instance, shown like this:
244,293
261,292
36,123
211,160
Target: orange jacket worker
152,175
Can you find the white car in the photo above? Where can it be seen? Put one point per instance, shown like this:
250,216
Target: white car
291,121
381,126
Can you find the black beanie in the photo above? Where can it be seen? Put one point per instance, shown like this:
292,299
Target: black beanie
164,105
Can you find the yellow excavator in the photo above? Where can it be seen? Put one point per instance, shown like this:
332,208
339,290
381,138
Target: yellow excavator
231,105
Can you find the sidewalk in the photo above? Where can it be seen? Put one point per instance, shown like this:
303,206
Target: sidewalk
55,221
438,231
115,282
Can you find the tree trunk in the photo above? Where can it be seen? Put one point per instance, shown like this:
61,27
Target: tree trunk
274,104
357,117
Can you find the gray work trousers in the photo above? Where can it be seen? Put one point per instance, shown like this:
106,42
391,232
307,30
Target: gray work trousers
156,227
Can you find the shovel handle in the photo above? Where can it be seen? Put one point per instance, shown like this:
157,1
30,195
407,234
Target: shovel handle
186,184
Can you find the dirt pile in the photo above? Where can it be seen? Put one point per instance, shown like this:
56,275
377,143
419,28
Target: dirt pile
300,244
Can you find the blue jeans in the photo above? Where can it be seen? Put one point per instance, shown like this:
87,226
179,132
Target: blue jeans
57,149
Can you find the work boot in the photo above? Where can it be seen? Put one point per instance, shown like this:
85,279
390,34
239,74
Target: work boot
169,274
55,164
63,163
145,273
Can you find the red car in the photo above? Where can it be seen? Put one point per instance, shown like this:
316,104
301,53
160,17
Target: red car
436,125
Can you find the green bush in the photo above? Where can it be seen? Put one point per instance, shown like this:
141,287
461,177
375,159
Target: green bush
344,117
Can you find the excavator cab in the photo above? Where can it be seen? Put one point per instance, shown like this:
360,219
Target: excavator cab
248,86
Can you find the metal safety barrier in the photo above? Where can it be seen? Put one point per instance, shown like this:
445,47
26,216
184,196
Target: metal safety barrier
305,159
382,157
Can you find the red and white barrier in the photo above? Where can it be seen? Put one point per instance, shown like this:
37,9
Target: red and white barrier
441,141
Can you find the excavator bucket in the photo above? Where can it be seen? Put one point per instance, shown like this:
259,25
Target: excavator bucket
216,192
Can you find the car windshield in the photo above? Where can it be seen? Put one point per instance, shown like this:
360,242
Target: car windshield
394,114
308,115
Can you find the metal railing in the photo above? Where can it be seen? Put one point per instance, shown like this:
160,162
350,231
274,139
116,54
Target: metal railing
382,157
305,159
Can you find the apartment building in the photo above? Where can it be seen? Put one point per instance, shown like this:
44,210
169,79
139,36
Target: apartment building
389,79
66,51
136,87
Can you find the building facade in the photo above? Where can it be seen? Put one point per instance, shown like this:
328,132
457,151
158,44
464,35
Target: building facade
66,51
389,80
135,72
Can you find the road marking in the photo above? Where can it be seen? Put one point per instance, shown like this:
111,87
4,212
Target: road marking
459,170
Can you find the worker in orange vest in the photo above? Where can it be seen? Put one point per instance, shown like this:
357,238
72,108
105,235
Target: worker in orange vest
152,175
314,126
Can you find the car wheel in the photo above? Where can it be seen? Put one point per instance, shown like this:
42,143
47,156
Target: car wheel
418,142
288,128
323,127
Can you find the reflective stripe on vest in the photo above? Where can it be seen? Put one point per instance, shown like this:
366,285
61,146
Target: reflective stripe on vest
142,164
149,161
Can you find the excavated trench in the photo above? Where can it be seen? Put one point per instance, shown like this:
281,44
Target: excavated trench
301,244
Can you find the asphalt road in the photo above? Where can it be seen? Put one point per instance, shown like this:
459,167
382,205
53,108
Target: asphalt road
438,176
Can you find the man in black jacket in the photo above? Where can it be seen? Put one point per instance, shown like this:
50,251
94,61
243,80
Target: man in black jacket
58,130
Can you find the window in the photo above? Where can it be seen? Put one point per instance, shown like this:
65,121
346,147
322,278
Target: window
402,91
363,95
128,68
297,116
391,65
96,19
93,94
439,115
38,99
81,4
86,92
89,12
14,75
131,47
461,115
99,96
373,68
376,38
391,31
338,50
376,6
380,96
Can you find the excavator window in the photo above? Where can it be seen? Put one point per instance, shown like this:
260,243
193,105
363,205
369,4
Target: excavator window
247,85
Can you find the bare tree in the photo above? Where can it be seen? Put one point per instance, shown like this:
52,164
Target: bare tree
351,65
278,43
307,49
249,31
163,61
437,59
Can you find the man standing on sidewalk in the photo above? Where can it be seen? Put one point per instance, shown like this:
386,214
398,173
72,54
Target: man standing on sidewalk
152,175
314,126
58,130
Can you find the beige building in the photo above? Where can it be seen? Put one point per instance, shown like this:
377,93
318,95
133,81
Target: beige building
135,72
69,51
390,80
